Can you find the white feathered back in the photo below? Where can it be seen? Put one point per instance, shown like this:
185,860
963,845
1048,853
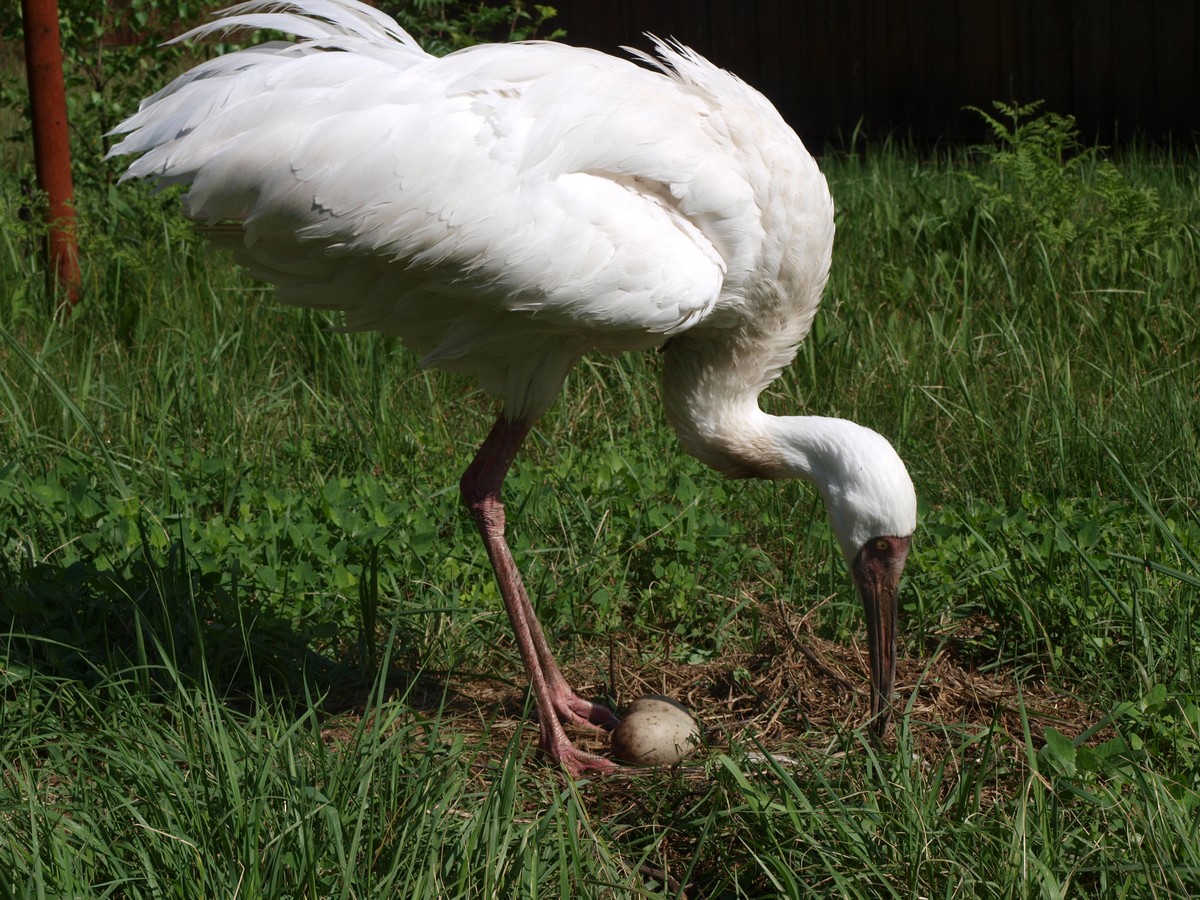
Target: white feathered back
503,200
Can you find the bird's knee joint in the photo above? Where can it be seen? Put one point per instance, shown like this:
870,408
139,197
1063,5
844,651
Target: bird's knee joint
486,509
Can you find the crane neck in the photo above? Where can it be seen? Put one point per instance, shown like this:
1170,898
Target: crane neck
711,385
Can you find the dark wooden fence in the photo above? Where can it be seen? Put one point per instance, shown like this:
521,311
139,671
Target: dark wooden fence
1123,68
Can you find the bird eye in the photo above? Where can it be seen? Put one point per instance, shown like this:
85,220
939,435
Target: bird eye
881,544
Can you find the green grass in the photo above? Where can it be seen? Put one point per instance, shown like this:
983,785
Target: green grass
247,634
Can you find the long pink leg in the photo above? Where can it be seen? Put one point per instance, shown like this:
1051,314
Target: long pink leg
480,486
569,706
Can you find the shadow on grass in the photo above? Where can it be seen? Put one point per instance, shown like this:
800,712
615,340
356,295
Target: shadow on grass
157,621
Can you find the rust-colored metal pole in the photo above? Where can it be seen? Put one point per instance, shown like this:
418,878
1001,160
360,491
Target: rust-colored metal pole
51,140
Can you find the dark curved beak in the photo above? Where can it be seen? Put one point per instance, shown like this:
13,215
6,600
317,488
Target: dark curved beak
877,569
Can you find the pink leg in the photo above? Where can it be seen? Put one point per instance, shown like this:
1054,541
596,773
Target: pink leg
480,487
569,705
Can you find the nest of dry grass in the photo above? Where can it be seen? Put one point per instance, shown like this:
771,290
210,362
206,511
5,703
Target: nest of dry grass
798,696
795,690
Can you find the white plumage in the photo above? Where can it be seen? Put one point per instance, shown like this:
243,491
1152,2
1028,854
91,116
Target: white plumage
507,208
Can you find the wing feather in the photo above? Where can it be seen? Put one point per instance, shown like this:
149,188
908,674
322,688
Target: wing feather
534,191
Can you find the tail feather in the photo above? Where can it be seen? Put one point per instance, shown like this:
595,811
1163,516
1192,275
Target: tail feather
312,19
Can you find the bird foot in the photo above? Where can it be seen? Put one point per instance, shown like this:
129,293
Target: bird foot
574,760
574,710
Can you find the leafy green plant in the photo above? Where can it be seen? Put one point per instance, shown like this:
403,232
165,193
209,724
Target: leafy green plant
110,53
442,27
1047,189
1160,725
1052,581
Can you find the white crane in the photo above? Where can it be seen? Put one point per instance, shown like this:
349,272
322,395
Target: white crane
510,207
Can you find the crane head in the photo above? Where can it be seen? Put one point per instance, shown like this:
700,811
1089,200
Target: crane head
872,508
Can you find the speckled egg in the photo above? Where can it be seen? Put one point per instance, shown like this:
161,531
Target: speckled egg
656,731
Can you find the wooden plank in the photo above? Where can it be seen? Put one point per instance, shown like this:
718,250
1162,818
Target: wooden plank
1132,62
769,74
882,87
1019,57
769,43
1052,74
979,75
845,86
688,23
1091,57
1005,40
735,37
911,66
1176,68
797,76
932,69
589,26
